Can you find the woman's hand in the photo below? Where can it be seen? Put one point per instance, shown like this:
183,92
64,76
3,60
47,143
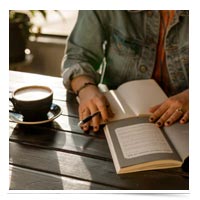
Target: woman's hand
91,100
173,109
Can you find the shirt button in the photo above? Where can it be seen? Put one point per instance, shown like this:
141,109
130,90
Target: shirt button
149,13
143,68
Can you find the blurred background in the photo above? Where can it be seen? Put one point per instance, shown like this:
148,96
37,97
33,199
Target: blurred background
37,39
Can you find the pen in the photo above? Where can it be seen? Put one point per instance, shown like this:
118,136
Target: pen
87,119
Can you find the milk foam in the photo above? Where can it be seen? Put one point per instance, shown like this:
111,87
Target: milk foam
31,94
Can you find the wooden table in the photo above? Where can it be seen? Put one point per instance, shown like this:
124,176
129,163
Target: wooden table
60,156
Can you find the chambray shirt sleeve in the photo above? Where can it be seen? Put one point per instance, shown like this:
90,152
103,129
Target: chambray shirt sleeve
84,52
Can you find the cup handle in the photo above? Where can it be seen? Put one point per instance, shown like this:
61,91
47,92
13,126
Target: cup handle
13,103
11,100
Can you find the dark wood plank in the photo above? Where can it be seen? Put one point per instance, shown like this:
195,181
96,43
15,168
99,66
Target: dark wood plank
50,138
26,179
67,123
70,124
94,170
68,108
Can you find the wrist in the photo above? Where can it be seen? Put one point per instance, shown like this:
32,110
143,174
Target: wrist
84,86
80,83
89,92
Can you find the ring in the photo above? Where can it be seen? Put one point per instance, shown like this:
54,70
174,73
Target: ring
179,110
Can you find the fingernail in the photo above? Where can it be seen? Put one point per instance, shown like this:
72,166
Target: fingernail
183,120
95,128
158,123
167,123
151,119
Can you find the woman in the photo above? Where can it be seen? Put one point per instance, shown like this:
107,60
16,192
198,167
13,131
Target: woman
136,45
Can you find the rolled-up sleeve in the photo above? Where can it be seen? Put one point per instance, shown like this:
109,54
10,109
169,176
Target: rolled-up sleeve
84,49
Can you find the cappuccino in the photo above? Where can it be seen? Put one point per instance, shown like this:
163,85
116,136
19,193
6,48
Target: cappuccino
32,94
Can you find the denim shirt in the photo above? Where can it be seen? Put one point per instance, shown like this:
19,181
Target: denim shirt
132,38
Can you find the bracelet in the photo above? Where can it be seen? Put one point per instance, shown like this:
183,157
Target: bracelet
83,86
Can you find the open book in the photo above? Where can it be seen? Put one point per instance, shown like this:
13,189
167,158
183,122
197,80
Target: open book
136,144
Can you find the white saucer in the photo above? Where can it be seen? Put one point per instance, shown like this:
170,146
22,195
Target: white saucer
54,112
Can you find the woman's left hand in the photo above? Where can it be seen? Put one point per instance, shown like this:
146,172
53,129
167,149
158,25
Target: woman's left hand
173,109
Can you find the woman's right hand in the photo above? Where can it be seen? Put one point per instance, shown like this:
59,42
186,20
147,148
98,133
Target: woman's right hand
91,100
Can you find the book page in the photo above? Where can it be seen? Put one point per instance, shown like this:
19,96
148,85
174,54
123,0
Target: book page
140,95
141,139
179,137
119,107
